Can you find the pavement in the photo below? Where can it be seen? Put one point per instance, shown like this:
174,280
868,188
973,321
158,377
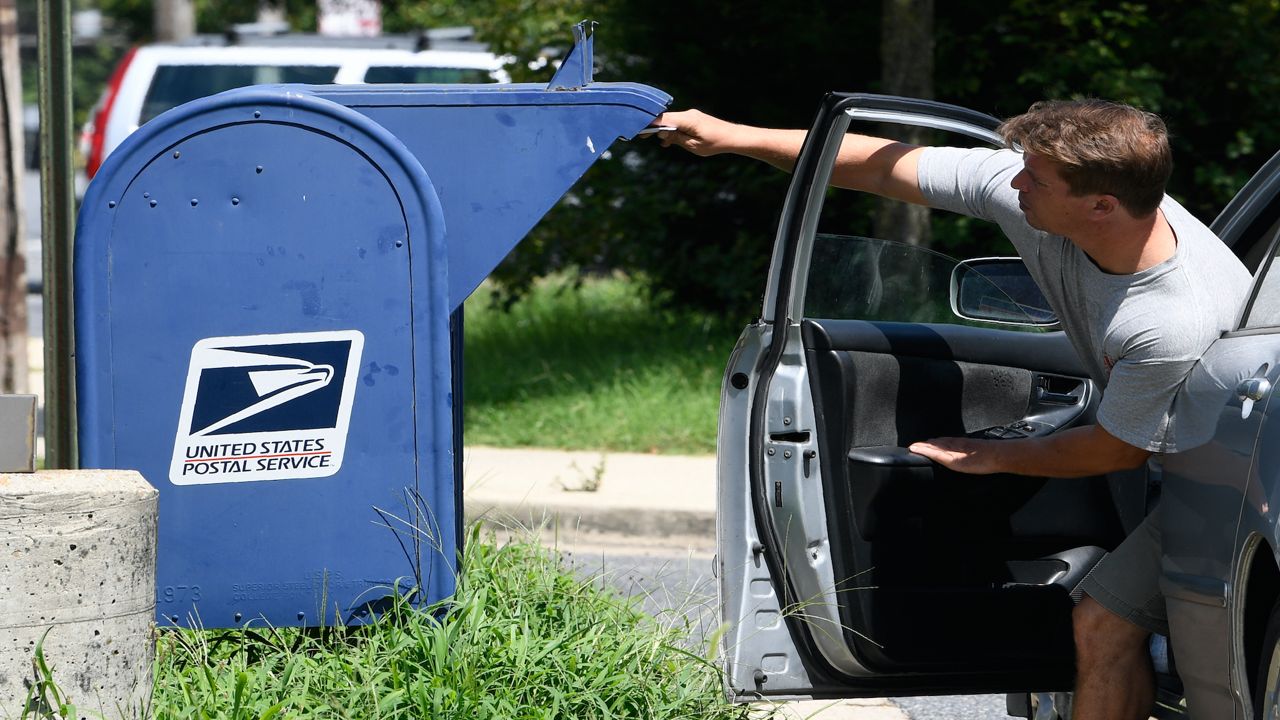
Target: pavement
648,499
636,495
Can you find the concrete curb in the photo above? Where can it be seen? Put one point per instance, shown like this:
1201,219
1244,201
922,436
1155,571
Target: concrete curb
638,522
856,709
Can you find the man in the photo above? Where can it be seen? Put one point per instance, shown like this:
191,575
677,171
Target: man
1140,286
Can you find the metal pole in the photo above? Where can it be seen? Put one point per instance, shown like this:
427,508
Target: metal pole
57,208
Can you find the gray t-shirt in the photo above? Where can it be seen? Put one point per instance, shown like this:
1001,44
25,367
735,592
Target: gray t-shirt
1138,335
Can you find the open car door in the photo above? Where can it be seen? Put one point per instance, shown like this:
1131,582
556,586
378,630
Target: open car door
849,566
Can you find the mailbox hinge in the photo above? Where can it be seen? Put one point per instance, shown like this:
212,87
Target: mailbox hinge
576,70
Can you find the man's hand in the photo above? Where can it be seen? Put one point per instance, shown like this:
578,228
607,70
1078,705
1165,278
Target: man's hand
966,455
1078,452
704,135
697,132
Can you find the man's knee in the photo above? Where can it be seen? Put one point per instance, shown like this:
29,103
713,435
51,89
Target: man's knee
1101,633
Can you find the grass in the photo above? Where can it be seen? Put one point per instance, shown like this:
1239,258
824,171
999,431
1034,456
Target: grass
594,367
524,638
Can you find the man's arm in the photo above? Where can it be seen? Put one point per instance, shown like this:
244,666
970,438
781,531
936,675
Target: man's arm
1078,452
871,164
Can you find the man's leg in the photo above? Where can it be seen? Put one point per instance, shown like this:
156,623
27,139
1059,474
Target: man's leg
1121,607
1114,678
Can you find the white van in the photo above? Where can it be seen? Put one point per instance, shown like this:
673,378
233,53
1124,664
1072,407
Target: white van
154,78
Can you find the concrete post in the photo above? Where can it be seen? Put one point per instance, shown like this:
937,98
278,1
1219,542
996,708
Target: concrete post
78,568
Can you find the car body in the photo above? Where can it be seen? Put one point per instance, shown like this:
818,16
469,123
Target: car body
850,567
153,78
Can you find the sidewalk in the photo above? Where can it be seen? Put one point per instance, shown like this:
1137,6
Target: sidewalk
642,496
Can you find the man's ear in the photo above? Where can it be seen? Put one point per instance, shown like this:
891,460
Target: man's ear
1104,206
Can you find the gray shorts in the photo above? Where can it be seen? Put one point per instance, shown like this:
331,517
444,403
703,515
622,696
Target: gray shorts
1127,580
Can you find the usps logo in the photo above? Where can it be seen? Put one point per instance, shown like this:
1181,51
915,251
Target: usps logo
266,407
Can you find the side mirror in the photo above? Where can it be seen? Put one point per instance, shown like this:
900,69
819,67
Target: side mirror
999,290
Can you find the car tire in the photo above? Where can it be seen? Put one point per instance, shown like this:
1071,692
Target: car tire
1266,686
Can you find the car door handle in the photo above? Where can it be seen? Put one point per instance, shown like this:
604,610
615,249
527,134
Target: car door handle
1250,392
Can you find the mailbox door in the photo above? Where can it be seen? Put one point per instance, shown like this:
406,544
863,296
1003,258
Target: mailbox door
262,296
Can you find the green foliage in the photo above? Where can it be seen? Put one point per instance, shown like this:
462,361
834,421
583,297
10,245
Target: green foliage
700,231
133,18
523,638
592,367
1206,67
521,29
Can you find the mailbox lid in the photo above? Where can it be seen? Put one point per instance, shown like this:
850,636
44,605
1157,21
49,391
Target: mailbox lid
501,156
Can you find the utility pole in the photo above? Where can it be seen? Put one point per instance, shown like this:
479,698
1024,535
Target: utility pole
13,264
57,223
174,20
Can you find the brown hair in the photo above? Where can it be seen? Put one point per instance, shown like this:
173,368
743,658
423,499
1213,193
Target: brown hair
1101,147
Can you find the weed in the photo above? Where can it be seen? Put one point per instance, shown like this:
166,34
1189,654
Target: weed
588,481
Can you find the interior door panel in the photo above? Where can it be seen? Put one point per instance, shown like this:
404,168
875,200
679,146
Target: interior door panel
952,573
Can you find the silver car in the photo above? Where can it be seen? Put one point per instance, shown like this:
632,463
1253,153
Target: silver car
850,567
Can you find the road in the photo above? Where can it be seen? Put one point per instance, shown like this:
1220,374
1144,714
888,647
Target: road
675,581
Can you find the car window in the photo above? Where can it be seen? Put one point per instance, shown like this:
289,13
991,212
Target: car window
1264,307
406,74
883,260
865,278
174,85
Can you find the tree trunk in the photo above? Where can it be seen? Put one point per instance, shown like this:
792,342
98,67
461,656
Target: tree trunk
174,20
906,68
13,266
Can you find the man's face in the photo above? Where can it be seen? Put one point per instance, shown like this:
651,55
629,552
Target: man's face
1046,199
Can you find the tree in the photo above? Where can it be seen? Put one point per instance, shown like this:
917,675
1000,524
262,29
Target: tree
906,68
699,231
173,19
13,279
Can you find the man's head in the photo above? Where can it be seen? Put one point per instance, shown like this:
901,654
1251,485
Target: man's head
1097,148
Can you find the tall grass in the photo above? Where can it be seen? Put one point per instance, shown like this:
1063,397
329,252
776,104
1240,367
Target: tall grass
594,367
522,638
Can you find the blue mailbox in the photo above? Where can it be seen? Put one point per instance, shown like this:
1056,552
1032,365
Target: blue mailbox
264,285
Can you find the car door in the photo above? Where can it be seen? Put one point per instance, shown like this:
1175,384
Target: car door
848,566
1220,576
